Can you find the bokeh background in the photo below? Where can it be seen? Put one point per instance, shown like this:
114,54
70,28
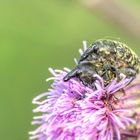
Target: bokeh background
38,34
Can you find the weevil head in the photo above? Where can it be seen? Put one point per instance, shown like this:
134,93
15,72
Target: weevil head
84,72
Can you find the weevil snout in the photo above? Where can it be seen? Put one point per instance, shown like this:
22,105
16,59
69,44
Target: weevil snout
71,74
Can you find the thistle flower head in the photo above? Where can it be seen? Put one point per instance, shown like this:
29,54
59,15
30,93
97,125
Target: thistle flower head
73,111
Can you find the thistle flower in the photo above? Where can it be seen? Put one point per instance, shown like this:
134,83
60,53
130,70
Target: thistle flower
73,111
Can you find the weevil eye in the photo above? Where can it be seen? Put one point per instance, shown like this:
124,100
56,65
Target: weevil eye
92,49
95,48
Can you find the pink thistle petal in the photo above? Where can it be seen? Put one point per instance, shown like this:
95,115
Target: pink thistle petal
72,111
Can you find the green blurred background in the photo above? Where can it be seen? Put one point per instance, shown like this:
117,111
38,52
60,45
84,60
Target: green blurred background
38,34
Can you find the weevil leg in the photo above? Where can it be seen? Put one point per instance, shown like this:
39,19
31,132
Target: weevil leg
85,83
130,72
108,67
123,91
93,83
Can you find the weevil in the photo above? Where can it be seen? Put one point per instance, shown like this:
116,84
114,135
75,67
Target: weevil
107,58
